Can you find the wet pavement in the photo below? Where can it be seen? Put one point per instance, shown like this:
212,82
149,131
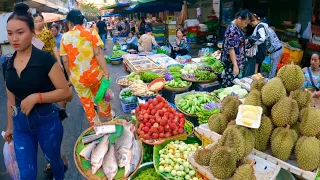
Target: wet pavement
73,126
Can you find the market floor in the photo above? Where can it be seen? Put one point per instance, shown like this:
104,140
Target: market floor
73,126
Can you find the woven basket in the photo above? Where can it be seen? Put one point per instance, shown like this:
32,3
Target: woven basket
122,85
177,99
177,89
87,173
198,81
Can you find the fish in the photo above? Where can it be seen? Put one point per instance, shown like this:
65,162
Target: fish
136,151
109,165
98,154
123,145
86,152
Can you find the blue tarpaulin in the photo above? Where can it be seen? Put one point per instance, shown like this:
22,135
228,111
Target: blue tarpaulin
157,6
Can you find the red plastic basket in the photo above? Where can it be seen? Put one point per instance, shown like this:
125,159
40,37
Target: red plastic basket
155,81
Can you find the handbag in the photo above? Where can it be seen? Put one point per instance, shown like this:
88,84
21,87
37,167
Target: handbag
311,79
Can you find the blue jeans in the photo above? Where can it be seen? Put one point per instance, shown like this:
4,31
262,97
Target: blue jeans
43,126
103,38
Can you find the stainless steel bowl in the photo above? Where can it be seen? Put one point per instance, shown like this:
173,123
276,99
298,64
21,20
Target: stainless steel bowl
142,168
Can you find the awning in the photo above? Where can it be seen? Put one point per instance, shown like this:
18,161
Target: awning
51,17
46,6
157,6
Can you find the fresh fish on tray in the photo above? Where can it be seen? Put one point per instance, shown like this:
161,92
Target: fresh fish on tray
123,144
98,154
90,138
136,152
109,165
105,129
86,152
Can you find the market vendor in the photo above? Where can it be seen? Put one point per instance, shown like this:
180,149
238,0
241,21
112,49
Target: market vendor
146,41
312,78
233,50
132,41
180,45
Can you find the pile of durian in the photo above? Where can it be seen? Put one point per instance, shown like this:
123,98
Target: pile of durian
290,125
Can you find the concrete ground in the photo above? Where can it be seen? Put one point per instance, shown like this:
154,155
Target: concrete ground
73,126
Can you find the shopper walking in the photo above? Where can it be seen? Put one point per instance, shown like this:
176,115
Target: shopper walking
34,82
102,30
233,50
83,58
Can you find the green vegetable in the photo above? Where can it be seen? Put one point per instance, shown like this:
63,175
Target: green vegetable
147,153
150,76
117,54
172,69
204,115
217,67
133,77
204,75
126,94
193,103
177,83
149,174
266,68
188,126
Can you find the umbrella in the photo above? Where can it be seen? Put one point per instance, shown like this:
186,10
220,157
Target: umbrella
51,17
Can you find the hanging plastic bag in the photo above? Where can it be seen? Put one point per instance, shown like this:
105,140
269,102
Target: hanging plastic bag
10,162
307,34
105,84
109,95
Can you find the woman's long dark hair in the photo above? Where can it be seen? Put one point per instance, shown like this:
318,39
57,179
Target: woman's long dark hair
20,12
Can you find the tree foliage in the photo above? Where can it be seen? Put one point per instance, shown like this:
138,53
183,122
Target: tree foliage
89,10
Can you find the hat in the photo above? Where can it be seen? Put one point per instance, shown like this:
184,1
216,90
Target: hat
148,30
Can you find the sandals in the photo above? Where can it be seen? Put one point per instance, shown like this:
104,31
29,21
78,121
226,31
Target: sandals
47,169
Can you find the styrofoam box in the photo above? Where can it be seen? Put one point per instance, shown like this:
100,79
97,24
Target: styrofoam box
256,122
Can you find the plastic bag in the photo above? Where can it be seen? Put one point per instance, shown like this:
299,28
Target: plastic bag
105,84
307,34
109,95
9,157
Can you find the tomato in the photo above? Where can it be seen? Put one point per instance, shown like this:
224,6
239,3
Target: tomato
153,112
162,135
180,115
166,105
174,133
164,110
153,129
140,117
146,116
181,125
156,125
152,121
175,121
138,131
146,137
149,101
145,106
173,110
167,128
141,126
181,130
148,124
145,129
168,134
155,136
161,129
145,121
182,120
163,122
173,126
150,107
138,109
159,98
160,113
148,111
171,116
154,102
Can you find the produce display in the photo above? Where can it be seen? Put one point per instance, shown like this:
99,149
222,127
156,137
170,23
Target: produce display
194,103
213,61
189,69
138,88
209,110
111,148
158,120
174,160
173,72
133,77
177,83
235,90
124,81
149,174
117,54
149,76
204,75
126,94
147,153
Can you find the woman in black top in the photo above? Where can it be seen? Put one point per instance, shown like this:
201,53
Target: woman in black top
34,82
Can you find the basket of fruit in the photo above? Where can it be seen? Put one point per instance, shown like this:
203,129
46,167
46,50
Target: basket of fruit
171,158
100,151
158,121
177,85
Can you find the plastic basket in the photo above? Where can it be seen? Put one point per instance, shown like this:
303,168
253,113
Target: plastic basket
128,100
127,108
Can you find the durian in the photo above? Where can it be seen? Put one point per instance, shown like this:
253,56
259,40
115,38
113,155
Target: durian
272,92
257,84
253,98
233,138
229,107
263,133
249,139
310,121
308,153
244,172
284,112
218,123
303,98
202,156
292,77
223,163
282,142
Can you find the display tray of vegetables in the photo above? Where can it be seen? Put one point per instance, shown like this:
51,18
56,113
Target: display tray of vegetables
209,109
235,90
191,103
146,172
127,96
177,85
117,54
173,72
150,76
213,61
171,158
192,73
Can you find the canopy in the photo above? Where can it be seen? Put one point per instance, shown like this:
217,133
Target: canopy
157,6
51,17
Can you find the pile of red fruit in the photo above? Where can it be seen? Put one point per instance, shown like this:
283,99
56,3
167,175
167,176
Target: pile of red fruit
157,119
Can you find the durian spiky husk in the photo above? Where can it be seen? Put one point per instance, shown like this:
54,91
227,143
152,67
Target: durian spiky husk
292,77
303,98
202,156
308,153
244,172
263,133
253,98
310,121
284,112
223,162
229,107
272,92
257,84
248,138
218,123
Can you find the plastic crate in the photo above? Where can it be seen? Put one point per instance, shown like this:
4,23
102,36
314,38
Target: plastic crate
169,96
207,87
127,108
